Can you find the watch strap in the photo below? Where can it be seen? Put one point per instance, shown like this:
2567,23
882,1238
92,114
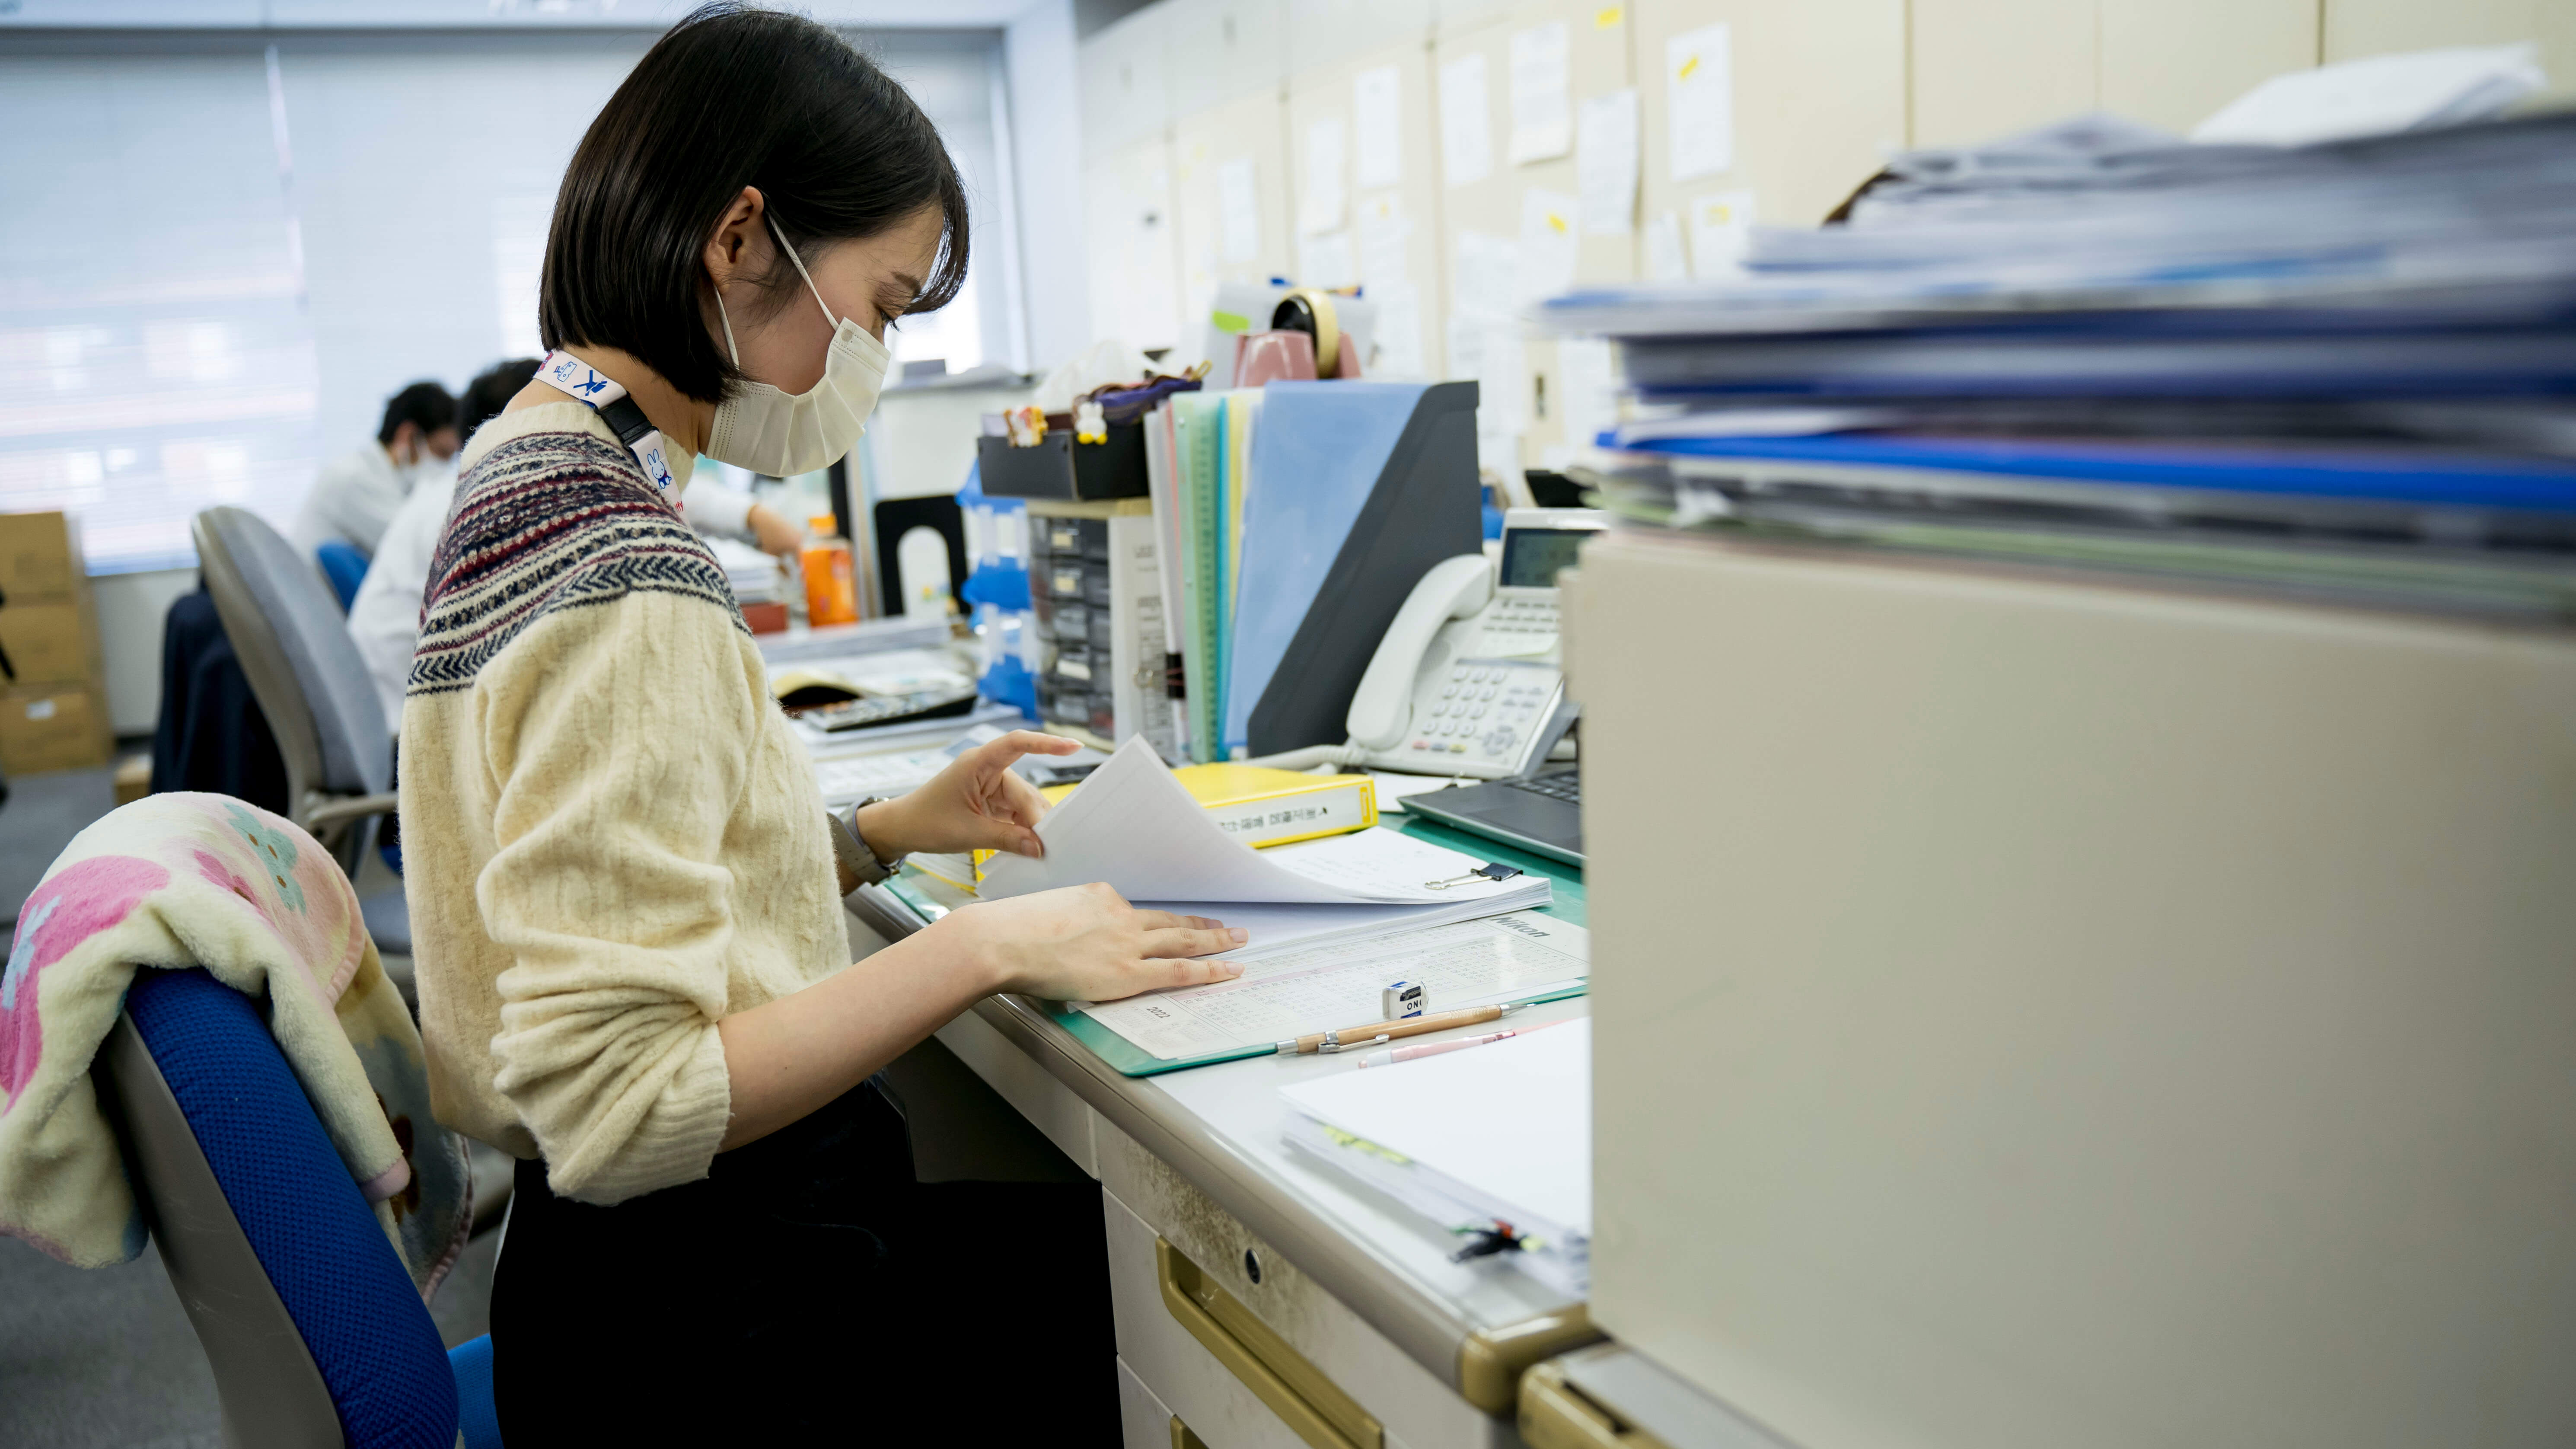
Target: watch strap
852,858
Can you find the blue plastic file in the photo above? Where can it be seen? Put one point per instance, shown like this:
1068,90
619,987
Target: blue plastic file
2380,476
1317,455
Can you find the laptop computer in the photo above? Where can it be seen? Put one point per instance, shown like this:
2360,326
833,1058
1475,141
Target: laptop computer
1540,812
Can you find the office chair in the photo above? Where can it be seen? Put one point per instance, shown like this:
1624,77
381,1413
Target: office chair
316,1335
345,567
311,682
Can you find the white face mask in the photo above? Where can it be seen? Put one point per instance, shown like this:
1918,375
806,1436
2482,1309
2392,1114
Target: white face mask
424,466
782,434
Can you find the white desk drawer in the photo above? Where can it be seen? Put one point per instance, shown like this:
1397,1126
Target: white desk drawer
1146,1200
1146,1422
1172,1368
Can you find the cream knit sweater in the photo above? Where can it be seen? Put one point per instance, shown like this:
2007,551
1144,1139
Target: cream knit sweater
611,839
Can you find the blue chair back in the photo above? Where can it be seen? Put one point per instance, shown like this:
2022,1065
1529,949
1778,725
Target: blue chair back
315,1332
345,567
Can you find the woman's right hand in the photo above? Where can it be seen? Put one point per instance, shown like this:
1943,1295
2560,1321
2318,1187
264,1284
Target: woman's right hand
1085,943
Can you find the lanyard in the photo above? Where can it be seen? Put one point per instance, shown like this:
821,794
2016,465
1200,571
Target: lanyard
566,373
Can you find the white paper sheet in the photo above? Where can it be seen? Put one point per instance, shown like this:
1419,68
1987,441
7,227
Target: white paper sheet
1605,162
1488,349
1484,277
1238,209
1511,1121
1490,352
1132,825
1721,231
1383,232
1377,117
1549,247
1699,86
1471,963
1542,94
1319,205
1399,333
1588,388
1466,134
1666,261
1326,261
1276,928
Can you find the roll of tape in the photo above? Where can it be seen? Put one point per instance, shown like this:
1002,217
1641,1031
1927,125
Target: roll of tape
1327,329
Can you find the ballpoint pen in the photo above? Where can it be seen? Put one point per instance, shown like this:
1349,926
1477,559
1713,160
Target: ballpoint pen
1350,1037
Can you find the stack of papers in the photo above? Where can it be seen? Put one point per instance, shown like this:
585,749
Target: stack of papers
1498,1134
1134,826
1292,992
2462,228
2334,372
755,576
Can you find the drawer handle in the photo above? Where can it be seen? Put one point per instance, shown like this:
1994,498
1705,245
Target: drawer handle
1310,1404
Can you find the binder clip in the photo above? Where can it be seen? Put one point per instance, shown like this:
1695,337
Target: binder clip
1403,999
1491,870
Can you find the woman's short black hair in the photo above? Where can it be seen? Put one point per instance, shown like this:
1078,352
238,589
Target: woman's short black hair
733,97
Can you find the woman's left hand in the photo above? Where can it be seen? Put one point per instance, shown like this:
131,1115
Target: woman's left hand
977,803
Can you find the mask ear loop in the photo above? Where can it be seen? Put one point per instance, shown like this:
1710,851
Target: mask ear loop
800,271
730,350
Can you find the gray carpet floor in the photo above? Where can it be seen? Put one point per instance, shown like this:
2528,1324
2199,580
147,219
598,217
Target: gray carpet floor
104,1358
43,814
91,1359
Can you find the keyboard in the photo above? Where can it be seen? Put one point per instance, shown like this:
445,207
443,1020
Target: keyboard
886,776
1565,785
884,709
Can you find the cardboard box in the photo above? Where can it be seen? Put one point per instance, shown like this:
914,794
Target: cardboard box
58,728
47,643
39,558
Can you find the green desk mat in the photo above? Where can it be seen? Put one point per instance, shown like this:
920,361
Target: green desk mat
1130,1060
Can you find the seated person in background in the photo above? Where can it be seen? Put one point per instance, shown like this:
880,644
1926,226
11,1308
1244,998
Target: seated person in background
355,496
384,619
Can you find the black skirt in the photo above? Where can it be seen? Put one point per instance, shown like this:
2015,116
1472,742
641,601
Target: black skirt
807,1291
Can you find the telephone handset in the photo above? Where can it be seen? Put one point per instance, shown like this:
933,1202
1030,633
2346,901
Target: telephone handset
1466,681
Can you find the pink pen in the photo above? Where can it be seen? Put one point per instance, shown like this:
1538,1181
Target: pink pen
1433,1049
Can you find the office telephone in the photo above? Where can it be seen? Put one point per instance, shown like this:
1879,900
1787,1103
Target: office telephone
1468,679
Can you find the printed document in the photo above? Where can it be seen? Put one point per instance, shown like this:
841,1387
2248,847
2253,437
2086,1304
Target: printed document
1134,826
1483,962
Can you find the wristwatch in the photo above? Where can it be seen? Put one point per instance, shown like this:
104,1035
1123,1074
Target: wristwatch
852,857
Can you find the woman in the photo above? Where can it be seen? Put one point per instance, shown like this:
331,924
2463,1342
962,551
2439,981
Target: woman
633,972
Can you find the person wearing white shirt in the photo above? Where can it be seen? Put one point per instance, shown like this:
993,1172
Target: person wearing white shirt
384,619
355,496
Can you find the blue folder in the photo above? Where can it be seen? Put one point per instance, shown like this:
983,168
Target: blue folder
1317,455
2375,475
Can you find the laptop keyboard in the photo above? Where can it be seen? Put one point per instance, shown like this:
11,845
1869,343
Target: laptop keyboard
1565,785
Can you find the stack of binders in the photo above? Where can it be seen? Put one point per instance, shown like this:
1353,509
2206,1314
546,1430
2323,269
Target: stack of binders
2343,371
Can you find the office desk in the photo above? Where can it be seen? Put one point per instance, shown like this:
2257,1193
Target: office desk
1357,1286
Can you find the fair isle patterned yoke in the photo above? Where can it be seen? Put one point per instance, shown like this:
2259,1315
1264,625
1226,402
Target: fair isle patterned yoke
546,522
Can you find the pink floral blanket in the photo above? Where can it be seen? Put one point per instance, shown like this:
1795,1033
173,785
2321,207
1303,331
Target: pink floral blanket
177,881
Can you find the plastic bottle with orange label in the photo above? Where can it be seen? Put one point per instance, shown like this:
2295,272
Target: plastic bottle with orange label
831,581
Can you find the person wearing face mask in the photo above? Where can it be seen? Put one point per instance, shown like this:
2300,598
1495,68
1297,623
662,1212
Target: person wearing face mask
384,618
625,890
355,496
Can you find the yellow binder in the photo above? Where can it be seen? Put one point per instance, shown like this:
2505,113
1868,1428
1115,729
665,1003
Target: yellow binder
1254,804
